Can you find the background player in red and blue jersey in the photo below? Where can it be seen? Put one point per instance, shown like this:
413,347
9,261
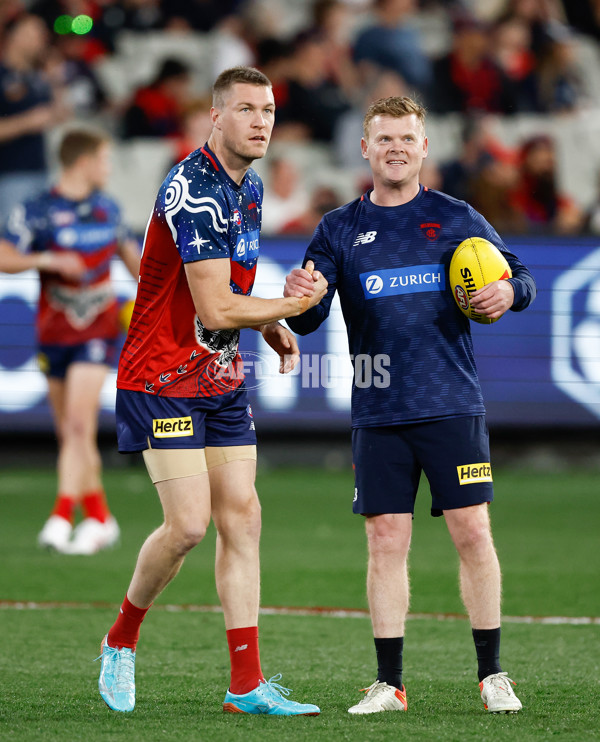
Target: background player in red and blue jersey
70,234
416,401
181,397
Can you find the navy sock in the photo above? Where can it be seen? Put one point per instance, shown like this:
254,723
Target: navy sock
389,660
487,646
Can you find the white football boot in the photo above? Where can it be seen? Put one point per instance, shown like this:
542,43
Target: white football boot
55,534
497,694
381,697
91,536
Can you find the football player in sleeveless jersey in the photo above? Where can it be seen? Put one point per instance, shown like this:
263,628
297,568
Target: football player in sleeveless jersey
181,397
418,406
70,235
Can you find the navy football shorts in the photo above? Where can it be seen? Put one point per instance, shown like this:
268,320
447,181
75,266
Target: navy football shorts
149,421
54,360
453,452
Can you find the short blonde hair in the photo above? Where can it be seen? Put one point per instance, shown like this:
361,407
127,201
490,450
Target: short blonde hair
397,107
228,78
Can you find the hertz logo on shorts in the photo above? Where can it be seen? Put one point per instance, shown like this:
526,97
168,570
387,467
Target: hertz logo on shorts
472,473
172,427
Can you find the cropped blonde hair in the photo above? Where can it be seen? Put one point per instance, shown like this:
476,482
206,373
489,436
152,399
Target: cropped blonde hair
397,107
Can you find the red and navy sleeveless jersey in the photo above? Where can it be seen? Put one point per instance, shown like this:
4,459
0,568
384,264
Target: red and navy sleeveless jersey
200,213
410,344
72,312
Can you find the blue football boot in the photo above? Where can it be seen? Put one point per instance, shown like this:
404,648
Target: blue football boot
268,698
117,677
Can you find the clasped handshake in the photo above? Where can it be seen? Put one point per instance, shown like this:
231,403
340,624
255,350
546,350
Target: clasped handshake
306,284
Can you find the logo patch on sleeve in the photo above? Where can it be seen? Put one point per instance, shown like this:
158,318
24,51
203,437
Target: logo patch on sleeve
473,473
172,427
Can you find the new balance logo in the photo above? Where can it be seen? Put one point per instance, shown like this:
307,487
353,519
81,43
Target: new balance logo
241,648
363,238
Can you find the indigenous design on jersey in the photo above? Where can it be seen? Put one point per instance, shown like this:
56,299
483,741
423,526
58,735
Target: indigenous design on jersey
390,267
72,312
200,214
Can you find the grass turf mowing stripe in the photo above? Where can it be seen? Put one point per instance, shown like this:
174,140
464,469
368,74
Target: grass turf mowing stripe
290,611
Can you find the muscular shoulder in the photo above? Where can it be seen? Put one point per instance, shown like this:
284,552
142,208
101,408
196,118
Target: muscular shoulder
193,186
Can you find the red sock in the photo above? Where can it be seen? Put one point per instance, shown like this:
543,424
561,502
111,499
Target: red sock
64,507
95,506
125,631
245,660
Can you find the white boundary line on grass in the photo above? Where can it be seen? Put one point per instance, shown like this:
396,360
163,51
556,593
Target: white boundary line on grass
283,611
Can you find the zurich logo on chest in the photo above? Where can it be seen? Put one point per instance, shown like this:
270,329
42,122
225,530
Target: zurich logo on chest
407,280
246,247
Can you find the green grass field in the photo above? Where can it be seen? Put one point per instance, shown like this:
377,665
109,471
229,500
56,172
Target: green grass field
313,554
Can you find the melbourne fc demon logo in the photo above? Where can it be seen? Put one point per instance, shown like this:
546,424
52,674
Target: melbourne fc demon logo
431,231
223,342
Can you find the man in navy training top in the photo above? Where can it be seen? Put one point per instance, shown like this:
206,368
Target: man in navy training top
387,254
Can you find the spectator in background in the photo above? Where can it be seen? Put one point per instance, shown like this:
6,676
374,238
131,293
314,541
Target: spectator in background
537,198
196,126
156,108
392,43
479,148
232,45
467,79
28,108
323,199
333,20
197,15
511,50
484,173
313,101
68,68
538,15
349,128
285,197
492,188
273,60
559,81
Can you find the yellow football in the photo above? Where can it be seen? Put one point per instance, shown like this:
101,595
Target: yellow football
475,263
125,312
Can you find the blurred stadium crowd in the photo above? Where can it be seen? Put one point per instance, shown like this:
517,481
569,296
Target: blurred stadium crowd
512,87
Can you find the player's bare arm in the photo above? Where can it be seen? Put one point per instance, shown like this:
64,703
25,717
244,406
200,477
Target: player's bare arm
220,309
67,264
494,299
129,253
301,281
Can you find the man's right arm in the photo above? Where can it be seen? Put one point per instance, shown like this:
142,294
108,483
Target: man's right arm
220,309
